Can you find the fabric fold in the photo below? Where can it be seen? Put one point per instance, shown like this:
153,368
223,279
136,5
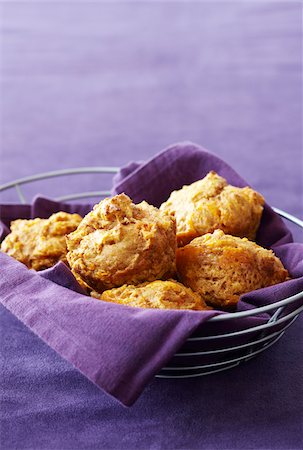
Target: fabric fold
117,347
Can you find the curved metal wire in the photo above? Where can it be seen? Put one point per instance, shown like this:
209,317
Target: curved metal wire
289,217
255,311
267,325
200,374
248,349
236,347
58,173
229,361
250,353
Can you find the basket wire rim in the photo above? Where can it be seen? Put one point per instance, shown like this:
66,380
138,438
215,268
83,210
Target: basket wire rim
229,361
236,347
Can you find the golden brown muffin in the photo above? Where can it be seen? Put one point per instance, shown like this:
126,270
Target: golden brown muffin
157,294
22,240
51,244
211,204
221,267
40,243
122,243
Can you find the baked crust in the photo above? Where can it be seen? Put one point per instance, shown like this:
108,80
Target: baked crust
157,294
210,204
119,243
221,267
40,243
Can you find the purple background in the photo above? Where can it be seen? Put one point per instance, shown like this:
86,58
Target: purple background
100,84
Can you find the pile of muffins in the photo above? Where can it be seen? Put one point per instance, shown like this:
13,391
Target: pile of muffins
196,251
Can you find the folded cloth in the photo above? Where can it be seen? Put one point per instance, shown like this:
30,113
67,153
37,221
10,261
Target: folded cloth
120,348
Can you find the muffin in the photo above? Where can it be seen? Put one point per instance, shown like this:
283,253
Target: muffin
210,204
157,294
221,267
119,243
40,243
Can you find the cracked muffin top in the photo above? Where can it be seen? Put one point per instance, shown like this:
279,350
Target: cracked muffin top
119,243
211,203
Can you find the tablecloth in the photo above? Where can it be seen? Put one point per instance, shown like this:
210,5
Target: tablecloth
95,83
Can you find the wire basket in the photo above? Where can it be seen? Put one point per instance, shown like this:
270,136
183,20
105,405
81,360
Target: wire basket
224,341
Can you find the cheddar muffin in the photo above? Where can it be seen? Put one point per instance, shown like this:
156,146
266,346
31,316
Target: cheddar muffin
210,204
221,267
157,294
122,243
40,243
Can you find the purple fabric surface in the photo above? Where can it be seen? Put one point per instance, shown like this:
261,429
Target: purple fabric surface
101,84
119,348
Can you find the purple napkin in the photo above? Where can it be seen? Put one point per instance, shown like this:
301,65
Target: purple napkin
119,348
